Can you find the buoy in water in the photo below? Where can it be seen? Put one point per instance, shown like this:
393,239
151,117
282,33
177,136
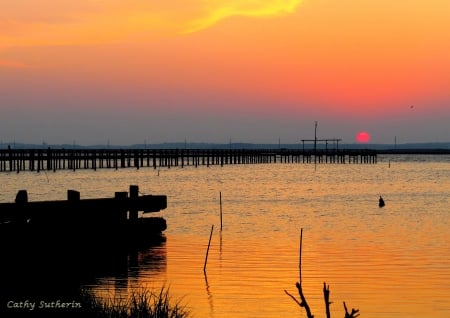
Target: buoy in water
381,202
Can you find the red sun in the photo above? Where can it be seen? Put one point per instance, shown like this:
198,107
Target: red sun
362,137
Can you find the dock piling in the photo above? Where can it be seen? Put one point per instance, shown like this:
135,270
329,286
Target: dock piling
220,199
207,251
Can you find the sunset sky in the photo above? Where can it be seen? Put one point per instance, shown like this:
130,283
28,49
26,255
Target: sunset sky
124,72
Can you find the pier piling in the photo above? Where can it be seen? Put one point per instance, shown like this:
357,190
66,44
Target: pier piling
207,250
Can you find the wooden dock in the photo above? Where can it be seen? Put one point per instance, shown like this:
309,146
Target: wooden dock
73,159
62,244
114,219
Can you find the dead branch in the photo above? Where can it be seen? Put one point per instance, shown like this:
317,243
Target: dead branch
353,314
295,299
326,297
303,303
326,293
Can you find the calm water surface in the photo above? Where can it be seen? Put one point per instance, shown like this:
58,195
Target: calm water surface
393,261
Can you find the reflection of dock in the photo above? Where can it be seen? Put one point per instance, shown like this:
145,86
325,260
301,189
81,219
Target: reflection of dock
60,273
74,159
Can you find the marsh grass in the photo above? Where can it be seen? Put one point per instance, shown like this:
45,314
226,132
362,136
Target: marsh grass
142,303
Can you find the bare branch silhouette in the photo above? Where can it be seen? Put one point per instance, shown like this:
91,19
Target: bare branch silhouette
353,314
326,297
326,293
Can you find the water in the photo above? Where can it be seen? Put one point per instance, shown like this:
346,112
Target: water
393,261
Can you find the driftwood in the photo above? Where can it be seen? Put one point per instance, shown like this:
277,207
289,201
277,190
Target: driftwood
326,293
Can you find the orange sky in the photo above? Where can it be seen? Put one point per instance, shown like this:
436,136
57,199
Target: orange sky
250,71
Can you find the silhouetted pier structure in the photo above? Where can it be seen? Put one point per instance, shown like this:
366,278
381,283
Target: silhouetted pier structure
51,248
73,159
112,221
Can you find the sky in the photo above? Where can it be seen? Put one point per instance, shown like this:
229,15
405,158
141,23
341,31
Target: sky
92,72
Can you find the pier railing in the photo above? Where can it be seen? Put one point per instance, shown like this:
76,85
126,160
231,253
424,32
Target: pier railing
73,159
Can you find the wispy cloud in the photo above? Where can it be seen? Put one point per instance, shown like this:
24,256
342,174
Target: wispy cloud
216,11
45,22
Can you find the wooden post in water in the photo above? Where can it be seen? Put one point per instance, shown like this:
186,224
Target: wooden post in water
299,284
300,257
207,251
220,199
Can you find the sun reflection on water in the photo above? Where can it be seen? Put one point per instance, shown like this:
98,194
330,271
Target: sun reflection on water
386,262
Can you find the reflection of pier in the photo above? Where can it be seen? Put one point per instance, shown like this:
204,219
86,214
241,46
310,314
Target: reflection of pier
58,272
73,159
146,262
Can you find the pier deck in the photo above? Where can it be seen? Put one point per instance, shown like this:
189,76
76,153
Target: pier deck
72,159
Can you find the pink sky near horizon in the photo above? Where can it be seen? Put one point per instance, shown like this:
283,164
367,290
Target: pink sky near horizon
247,71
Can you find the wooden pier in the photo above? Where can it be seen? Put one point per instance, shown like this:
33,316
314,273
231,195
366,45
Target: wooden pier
50,248
73,159
114,219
